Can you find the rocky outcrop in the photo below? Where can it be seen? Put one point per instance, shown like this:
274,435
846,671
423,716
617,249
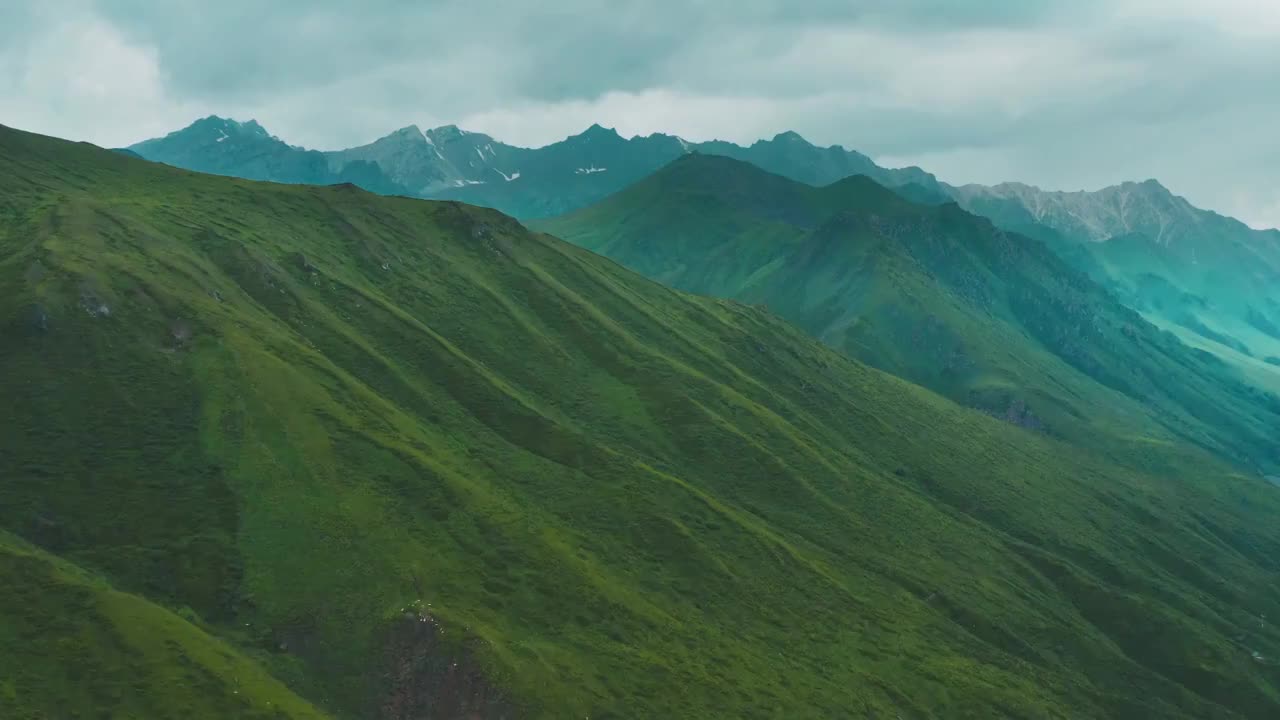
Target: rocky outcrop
427,678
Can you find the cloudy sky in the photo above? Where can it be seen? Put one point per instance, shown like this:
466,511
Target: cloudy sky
1066,94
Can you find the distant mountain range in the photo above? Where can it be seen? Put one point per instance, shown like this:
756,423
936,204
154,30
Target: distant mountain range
1210,279
451,163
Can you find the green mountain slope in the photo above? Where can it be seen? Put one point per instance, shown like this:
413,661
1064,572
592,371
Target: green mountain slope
418,461
74,647
930,293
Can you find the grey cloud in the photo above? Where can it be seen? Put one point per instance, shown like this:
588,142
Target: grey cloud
1058,92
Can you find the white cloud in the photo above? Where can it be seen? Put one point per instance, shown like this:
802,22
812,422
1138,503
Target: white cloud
80,79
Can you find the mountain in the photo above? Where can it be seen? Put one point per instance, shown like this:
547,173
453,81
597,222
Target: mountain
226,147
931,293
790,155
407,157
1211,279
409,459
1145,207
478,158
451,163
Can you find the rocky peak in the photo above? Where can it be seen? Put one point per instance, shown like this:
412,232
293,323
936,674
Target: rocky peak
410,134
446,134
597,131
790,136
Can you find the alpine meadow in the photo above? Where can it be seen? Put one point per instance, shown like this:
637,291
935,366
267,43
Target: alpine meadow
683,416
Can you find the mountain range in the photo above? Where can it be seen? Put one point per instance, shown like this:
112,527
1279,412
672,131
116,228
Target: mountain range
1210,279
931,293
287,451
451,163
1207,278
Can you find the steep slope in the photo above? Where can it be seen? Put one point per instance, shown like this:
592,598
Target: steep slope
477,158
930,293
450,163
1211,279
423,462
74,647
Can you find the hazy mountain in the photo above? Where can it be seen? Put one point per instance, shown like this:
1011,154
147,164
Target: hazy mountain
409,459
1146,208
1210,278
476,157
451,163
928,292
407,157
226,147
792,156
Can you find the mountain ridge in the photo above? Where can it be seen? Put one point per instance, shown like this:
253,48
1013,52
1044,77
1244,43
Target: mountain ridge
1209,278
366,440
853,162
556,178
1203,276
859,266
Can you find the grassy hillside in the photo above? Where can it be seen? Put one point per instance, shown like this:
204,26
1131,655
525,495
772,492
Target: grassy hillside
417,461
74,647
929,292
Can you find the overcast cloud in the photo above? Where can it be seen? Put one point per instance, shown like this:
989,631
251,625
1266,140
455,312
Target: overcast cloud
1065,94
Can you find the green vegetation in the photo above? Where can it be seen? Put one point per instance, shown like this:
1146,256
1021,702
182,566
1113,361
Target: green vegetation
931,293
75,647
310,419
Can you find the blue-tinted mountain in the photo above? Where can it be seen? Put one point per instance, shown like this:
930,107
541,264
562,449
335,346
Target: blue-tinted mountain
1209,278
451,163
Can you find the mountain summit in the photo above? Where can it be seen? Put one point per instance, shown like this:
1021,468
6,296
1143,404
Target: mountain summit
1132,207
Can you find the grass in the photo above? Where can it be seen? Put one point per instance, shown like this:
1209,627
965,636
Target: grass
309,411
991,319
75,647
